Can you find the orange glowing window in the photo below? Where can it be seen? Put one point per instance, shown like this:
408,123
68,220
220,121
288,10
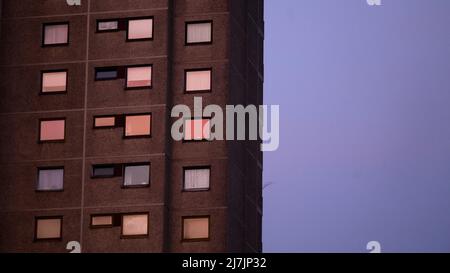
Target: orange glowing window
135,225
101,220
138,125
101,122
140,76
139,29
48,228
197,129
196,228
199,80
52,130
54,81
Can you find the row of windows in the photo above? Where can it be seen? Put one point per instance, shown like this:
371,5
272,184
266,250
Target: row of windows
135,125
194,228
138,76
137,29
134,175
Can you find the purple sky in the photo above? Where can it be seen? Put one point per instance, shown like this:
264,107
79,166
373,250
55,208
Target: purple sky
364,95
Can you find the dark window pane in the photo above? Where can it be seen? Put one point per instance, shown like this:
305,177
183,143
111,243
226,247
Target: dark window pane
101,171
106,74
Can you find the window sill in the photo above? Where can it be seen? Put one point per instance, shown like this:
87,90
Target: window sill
196,190
133,237
135,187
48,93
47,240
50,141
195,240
138,88
49,191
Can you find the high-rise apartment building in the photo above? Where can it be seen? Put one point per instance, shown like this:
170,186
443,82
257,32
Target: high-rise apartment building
85,115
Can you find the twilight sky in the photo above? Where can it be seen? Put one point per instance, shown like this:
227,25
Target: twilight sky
364,95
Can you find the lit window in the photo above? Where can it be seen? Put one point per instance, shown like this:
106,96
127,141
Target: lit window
107,25
102,221
140,76
51,179
54,81
137,175
139,29
52,130
198,32
106,73
135,225
195,228
138,125
104,122
198,80
102,171
56,34
48,228
197,129
196,179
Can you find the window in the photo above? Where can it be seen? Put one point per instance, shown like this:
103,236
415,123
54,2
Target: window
196,179
140,29
139,76
102,221
110,25
54,81
197,129
106,73
106,171
105,122
52,130
137,175
48,228
199,32
50,179
138,125
134,225
196,228
56,34
198,80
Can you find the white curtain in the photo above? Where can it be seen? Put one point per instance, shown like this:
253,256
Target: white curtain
56,34
198,33
196,179
137,175
140,29
198,80
51,179
111,25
